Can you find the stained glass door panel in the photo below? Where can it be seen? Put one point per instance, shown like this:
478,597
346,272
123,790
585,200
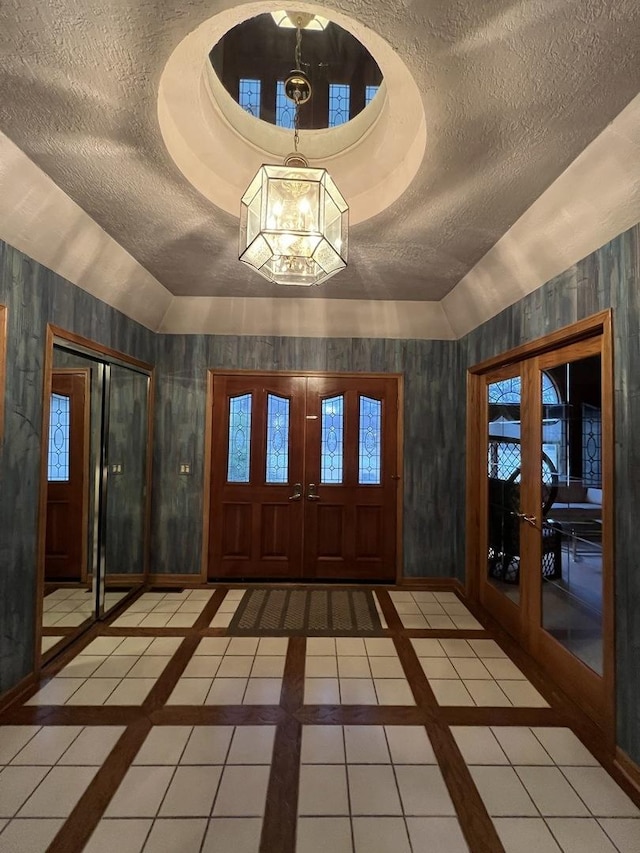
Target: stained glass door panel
65,539
351,477
256,511
304,480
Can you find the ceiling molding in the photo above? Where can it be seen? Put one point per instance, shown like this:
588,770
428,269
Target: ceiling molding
596,198
39,219
308,318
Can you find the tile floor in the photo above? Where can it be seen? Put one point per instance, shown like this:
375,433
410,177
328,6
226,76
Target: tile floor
110,671
438,610
546,792
338,754
165,609
69,607
233,671
474,672
354,671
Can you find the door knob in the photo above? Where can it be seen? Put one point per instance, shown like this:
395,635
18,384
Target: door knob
297,492
530,519
312,495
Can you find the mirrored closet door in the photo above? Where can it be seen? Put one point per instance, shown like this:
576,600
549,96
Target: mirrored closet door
96,473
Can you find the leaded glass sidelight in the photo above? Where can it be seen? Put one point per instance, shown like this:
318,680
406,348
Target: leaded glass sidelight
59,438
277,439
238,467
332,440
369,441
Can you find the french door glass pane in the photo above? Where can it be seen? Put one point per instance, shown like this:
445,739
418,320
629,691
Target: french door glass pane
370,441
503,484
59,436
332,440
572,531
277,439
239,455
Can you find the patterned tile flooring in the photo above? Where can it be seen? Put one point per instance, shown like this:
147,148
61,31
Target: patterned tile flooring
159,733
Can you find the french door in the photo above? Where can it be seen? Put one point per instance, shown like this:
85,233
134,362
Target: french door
304,476
541,439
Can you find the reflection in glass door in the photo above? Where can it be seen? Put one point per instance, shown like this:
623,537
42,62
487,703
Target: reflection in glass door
540,506
504,458
572,582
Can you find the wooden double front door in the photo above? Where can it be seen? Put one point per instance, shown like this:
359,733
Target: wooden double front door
304,476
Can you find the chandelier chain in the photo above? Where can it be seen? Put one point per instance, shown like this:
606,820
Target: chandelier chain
296,115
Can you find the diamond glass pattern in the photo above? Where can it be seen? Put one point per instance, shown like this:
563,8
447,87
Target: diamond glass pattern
238,467
249,96
59,438
339,103
370,441
277,439
332,440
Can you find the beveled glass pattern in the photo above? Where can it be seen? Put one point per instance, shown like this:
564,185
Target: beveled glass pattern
249,96
277,439
59,438
370,441
332,440
239,460
510,391
339,103
294,225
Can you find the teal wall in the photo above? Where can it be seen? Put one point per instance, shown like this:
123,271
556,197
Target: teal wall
35,296
433,436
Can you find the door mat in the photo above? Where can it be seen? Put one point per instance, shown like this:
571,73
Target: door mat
307,612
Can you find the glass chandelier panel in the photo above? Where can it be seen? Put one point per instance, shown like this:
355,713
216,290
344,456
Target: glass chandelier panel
294,225
293,218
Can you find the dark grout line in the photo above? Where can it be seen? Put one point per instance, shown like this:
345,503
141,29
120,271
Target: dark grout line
422,692
281,812
217,715
394,622
475,822
361,715
292,696
79,826
210,609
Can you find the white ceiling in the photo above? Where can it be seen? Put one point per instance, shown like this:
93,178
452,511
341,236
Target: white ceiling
512,94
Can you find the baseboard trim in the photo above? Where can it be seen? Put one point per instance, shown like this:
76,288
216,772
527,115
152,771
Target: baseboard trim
192,580
124,579
444,584
10,696
629,767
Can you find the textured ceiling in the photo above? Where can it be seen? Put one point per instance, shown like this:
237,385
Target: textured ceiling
513,92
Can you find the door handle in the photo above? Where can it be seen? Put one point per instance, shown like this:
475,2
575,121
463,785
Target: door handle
312,495
530,519
297,492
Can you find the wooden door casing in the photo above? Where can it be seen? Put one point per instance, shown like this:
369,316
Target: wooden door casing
65,538
596,693
344,530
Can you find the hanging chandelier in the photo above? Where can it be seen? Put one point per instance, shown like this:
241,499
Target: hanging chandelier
293,218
